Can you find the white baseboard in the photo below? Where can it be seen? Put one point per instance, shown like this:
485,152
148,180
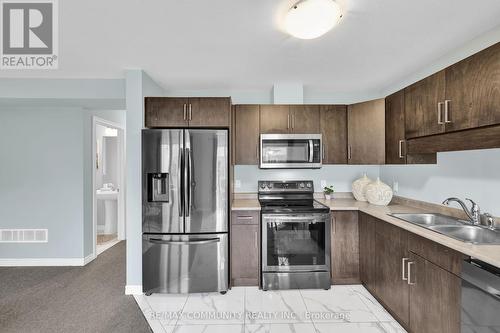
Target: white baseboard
133,290
88,259
13,262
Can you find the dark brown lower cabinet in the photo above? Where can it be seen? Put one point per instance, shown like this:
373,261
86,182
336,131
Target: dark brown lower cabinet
245,248
391,246
422,291
435,296
345,248
367,253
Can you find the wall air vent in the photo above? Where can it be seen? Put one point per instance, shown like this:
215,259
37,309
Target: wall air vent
24,235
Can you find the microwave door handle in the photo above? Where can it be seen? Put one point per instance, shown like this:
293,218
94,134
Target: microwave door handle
311,151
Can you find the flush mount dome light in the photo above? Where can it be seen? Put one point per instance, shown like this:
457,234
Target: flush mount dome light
309,19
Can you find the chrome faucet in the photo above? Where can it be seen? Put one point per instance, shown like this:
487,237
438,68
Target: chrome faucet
474,214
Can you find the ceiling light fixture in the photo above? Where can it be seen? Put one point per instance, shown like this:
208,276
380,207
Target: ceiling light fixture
309,19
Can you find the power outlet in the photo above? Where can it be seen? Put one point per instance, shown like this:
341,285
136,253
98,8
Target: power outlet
237,183
395,186
323,184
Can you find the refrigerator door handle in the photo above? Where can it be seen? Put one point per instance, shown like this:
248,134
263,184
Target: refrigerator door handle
189,180
190,242
180,183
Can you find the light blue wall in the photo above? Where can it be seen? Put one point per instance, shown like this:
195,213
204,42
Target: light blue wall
41,180
138,85
340,176
472,174
46,178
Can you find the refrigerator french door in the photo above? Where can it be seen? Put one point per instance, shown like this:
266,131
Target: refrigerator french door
185,210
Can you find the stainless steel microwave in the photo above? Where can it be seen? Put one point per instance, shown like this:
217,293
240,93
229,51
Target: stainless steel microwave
283,151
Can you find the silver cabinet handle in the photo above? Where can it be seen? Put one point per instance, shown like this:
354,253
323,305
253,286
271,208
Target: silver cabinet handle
404,277
244,217
256,240
401,148
334,225
439,110
323,152
349,152
447,111
257,151
190,112
190,242
293,121
410,263
185,110
288,122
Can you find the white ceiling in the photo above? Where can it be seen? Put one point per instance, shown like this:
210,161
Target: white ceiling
237,44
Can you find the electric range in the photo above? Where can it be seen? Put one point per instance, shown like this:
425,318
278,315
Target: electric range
295,236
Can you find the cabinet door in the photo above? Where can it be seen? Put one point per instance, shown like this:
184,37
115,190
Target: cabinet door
435,296
395,128
209,112
245,250
473,91
424,106
345,247
333,122
392,256
246,132
274,119
165,112
304,119
367,262
366,132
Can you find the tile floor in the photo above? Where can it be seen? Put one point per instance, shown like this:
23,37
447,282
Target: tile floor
342,309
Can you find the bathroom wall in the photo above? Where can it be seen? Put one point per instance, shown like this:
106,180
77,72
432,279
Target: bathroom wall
467,174
108,167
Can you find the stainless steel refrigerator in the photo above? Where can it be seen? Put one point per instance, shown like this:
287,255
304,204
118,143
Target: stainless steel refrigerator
185,210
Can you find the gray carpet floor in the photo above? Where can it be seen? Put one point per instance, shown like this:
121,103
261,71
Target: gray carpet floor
70,299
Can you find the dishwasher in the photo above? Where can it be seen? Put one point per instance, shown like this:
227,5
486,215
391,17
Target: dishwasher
480,297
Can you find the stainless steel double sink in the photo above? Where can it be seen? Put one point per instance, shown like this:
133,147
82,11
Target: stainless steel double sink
452,227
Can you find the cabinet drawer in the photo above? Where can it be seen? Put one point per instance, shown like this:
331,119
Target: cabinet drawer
438,254
245,217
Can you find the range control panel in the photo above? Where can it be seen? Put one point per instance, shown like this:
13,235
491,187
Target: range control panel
270,186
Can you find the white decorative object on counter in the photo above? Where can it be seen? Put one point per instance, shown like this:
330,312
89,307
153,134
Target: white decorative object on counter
378,193
328,197
358,187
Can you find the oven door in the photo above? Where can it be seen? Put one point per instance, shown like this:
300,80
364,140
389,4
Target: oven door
290,151
295,242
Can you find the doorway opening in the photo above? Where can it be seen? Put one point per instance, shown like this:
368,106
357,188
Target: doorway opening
108,180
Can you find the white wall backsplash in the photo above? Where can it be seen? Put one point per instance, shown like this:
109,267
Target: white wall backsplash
471,174
340,176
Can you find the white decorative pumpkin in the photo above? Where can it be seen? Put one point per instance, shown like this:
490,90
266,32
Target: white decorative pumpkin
378,193
358,187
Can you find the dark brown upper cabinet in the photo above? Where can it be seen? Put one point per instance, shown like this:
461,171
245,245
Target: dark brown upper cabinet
333,124
209,111
473,91
274,119
246,138
279,119
424,106
395,128
366,132
166,112
187,112
304,119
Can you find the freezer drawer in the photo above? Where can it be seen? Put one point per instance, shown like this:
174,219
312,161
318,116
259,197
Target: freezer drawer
185,263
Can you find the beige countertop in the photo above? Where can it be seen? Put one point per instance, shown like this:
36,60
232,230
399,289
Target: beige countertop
486,253
245,204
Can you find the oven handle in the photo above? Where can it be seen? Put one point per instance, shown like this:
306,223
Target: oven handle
311,151
285,218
